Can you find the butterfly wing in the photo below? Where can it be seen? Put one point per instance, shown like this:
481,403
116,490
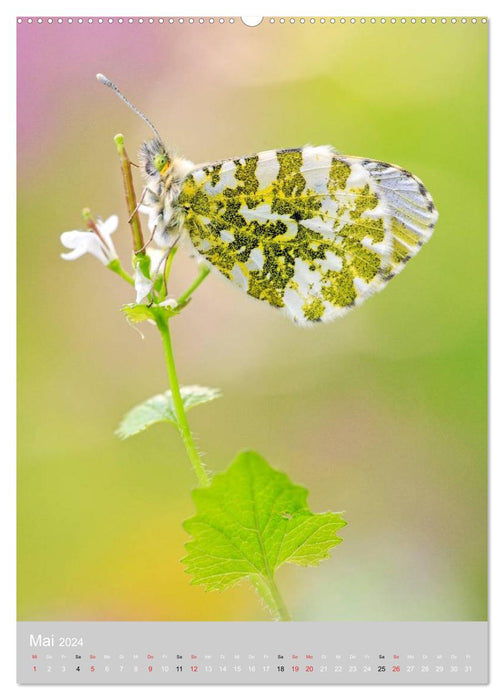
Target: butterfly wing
306,230
411,211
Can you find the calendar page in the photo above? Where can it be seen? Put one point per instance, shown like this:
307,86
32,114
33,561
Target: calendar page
252,350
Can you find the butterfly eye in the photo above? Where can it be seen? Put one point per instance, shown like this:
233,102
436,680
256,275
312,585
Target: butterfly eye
160,161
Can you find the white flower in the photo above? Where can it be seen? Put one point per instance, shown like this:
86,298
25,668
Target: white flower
171,303
100,246
143,284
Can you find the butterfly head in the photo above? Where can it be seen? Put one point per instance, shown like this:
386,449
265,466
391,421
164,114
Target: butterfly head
155,159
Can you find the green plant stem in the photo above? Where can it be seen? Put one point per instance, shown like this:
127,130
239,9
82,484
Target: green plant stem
182,422
167,269
116,267
131,200
265,587
268,591
279,601
204,271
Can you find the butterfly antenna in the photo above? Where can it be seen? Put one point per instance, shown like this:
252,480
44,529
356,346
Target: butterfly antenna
103,79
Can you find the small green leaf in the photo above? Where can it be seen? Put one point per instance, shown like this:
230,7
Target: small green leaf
135,313
251,520
161,408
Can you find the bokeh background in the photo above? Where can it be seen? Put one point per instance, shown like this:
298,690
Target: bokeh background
381,414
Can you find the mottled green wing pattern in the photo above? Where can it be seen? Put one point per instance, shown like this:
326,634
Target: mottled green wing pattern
306,230
411,212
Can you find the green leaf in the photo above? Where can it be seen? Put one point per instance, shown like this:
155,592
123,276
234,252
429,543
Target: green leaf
161,408
251,520
135,313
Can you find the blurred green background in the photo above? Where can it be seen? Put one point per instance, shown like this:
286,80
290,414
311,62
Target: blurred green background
381,414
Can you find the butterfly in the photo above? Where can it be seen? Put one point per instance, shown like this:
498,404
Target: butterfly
306,230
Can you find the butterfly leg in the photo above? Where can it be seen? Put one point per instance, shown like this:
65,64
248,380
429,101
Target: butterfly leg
143,248
165,254
139,204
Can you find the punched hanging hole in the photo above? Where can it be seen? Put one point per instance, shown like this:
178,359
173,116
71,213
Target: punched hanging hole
251,21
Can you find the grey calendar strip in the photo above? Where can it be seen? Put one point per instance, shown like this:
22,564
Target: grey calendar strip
252,652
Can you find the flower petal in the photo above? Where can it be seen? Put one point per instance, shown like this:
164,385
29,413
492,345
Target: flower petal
106,229
83,242
143,285
172,303
74,254
156,255
108,226
71,239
